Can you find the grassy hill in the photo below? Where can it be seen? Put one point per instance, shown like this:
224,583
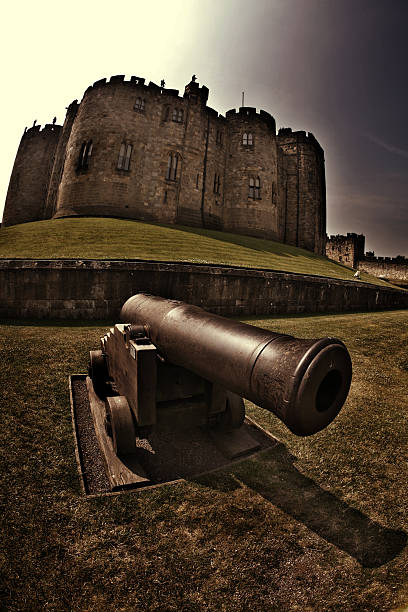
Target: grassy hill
266,534
105,238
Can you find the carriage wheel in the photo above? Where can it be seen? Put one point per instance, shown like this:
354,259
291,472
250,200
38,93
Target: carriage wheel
98,371
121,425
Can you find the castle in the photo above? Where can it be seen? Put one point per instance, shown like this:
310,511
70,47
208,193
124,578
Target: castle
349,250
144,152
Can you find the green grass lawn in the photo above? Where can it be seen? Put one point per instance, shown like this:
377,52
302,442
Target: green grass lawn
316,523
104,238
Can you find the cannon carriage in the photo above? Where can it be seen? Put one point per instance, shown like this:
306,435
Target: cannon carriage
172,365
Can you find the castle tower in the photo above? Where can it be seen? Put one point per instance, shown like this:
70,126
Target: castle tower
118,152
303,190
202,178
27,192
251,203
348,250
59,160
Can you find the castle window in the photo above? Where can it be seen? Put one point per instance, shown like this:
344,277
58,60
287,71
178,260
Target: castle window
217,183
197,180
273,193
125,153
247,139
85,153
251,193
139,105
219,137
172,164
254,190
257,188
177,115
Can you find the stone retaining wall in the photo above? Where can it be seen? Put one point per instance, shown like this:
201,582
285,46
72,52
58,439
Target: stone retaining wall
94,289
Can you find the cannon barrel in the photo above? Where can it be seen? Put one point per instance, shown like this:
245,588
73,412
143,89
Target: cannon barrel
304,382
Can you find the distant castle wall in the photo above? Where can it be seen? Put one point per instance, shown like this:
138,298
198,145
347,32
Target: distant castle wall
349,250
393,269
144,152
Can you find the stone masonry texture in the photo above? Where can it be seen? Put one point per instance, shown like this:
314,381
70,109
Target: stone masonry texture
92,289
232,173
349,250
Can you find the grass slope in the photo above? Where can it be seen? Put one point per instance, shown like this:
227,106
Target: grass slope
104,238
317,523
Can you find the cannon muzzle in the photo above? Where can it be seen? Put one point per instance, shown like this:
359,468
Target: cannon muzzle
304,382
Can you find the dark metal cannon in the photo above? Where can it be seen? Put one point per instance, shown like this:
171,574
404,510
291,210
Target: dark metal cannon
174,364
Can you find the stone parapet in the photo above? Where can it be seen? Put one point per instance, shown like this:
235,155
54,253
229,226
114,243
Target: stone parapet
93,289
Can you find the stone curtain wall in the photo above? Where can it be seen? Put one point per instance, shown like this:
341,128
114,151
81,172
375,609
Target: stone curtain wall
392,269
91,289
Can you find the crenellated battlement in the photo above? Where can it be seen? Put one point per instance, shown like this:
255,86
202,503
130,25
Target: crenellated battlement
134,82
340,238
248,114
285,133
399,259
48,128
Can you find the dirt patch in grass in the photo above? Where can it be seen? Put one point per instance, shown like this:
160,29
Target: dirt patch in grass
317,523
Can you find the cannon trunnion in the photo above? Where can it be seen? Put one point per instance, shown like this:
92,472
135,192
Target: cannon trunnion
174,365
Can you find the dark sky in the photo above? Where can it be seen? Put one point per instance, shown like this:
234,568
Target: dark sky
336,68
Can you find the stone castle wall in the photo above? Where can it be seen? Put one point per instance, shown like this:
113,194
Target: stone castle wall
393,269
92,289
347,250
231,173
29,182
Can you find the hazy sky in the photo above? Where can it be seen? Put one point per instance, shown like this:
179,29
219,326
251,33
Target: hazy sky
337,68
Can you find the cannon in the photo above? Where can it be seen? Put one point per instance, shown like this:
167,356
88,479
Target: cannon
174,365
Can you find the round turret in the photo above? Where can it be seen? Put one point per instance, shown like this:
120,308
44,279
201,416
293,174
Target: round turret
27,192
252,179
118,151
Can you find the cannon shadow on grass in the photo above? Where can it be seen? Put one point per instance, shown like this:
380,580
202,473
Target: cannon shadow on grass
273,475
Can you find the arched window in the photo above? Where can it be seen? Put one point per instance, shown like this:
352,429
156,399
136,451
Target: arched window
177,115
172,165
85,153
251,193
247,139
254,190
125,153
139,105
257,188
